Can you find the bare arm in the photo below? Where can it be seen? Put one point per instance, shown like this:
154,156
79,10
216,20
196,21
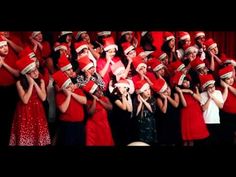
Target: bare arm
104,70
10,69
15,47
94,53
139,108
91,108
41,90
161,105
107,105
24,95
175,101
64,106
182,99
147,105
206,105
78,98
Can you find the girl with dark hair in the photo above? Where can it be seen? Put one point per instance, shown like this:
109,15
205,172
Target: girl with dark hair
146,41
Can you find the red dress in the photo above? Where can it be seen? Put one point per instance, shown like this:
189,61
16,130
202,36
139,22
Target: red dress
30,127
193,126
98,131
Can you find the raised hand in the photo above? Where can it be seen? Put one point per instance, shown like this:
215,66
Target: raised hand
67,92
30,79
178,89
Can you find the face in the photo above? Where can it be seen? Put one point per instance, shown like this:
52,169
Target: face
4,50
203,70
215,50
186,83
211,88
69,38
70,87
229,81
69,72
165,61
99,50
161,72
167,92
146,93
192,55
131,54
143,70
91,70
39,37
122,89
85,37
187,41
172,43
201,40
82,53
111,53
34,73
128,37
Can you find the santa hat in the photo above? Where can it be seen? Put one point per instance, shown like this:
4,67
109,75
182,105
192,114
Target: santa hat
25,64
226,72
78,33
109,44
104,33
168,36
155,64
190,49
183,35
198,34
159,85
126,32
35,33
80,46
59,46
117,67
225,59
90,87
127,47
142,53
206,80
61,79
197,63
210,44
122,83
138,63
141,86
64,63
160,54
2,42
143,33
85,63
27,51
177,65
65,32
177,79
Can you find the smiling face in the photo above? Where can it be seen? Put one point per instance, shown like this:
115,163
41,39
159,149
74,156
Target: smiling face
4,50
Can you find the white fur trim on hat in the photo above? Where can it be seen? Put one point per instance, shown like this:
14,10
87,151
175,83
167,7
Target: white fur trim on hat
169,38
32,54
229,61
131,86
227,75
94,87
162,56
143,33
110,47
28,68
79,33
202,65
35,33
140,65
2,43
66,83
143,88
212,46
64,68
181,79
121,85
208,83
191,49
138,143
87,67
60,47
126,32
66,32
158,67
81,48
164,87
199,34
118,70
182,66
128,49
187,36
145,53
103,33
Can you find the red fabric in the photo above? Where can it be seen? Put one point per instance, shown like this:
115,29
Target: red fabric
7,78
150,75
192,127
98,131
30,126
75,111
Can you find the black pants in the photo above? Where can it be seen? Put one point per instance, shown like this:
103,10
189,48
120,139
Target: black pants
215,137
8,101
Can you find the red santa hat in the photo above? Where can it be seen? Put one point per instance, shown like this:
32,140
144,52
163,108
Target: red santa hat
168,36
190,49
143,33
2,41
177,65
61,79
65,32
155,64
197,63
90,87
64,63
126,32
225,59
178,78
127,47
59,46
104,33
142,53
122,83
183,35
210,44
117,67
80,46
226,72
35,33
138,63
85,63
159,85
78,33
141,86
198,34
27,51
206,80
25,64
109,43
160,54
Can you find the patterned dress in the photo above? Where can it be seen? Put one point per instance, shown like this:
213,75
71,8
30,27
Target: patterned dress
30,127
